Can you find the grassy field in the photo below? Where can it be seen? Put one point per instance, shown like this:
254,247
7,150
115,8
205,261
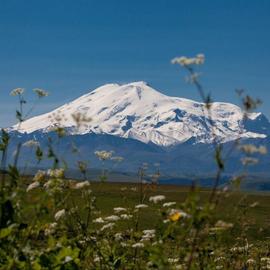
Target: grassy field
109,195
232,205
242,237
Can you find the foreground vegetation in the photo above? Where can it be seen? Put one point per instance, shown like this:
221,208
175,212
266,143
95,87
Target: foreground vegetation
77,225
253,208
50,222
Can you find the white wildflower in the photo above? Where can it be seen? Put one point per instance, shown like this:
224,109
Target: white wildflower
160,242
107,226
126,217
112,218
103,155
138,245
157,198
186,61
254,204
173,260
119,209
40,92
118,236
49,184
50,229
238,249
174,211
60,214
81,185
56,173
200,58
218,259
39,176
251,261
252,149
169,204
265,259
68,259
140,206
223,225
53,225
17,92
99,220
32,186
93,238
152,231
148,235
96,259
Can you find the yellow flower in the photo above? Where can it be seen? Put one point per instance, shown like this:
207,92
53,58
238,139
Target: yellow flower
176,216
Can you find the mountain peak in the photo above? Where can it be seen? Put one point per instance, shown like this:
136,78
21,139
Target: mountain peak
136,110
139,83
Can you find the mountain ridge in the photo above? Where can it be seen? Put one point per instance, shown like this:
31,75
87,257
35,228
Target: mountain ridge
138,111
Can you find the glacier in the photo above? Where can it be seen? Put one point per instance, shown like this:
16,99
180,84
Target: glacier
138,111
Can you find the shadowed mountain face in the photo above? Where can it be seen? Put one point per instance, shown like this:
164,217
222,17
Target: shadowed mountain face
188,159
143,125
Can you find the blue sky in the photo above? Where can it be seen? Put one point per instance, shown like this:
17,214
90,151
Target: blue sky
69,47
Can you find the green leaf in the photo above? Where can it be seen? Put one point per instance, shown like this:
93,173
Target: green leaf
5,232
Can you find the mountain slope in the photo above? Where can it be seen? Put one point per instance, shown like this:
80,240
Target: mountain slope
139,112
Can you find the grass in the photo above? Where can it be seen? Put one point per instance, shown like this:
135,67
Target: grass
248,212
236,205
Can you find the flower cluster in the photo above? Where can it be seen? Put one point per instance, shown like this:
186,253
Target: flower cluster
40,92
186,61
82,185
32,186
103,155
17,92
157,198
56,173
60,214
252,149
40,176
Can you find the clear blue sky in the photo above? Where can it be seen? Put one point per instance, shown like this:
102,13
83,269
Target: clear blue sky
68,47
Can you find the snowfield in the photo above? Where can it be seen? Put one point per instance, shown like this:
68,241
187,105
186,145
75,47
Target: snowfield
137,111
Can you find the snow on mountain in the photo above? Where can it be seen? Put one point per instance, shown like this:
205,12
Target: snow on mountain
137,111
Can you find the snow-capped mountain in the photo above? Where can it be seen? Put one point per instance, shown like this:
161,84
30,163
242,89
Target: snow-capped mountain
139,112
141,125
